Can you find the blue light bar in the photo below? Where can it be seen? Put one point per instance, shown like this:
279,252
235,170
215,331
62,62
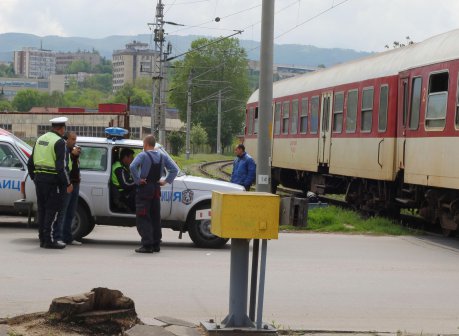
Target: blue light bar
116,132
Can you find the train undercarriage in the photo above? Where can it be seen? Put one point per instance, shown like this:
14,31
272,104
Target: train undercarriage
438,206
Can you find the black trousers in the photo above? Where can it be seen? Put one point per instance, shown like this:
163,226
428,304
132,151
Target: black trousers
148,214
50,199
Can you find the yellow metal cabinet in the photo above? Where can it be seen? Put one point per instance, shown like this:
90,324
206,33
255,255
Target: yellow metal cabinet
246,215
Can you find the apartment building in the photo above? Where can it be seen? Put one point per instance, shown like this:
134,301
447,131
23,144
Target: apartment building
64,59
34,63
135,61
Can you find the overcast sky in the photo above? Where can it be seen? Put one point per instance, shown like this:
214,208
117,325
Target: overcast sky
366,25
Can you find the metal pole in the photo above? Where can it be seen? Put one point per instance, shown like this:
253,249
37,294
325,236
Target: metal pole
188,118
219,122
162,106
265,97
239,274
253,279
261,289
161,110
265,128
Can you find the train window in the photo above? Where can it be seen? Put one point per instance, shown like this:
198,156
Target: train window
383,104
314,114
294,128
351,115
277,114
304,116
255,121
285,117
325,114
415,102
405,102
338,108
436,100
250,121
367,109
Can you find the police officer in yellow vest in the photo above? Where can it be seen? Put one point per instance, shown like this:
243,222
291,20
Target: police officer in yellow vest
46,167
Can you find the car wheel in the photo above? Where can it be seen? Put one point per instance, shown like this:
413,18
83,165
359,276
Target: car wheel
199,231
81,225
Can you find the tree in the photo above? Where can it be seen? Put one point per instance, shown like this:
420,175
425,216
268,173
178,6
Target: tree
78,66
177,141
7,70
198,136
214,67
101,82
138,97
397,44
55,99
5,106
105,67
88,98
26,99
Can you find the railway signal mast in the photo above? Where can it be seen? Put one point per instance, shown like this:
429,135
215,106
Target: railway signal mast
158,115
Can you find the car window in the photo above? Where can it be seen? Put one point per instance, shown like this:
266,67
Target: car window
93,158
8,157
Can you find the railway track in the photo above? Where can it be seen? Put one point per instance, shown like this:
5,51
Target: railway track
216,169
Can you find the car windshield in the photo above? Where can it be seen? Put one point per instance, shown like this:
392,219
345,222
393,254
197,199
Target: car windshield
24,146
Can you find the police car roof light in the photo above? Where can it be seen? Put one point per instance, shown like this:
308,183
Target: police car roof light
116,132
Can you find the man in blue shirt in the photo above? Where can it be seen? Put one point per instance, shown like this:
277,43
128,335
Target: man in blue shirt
146,169
244,168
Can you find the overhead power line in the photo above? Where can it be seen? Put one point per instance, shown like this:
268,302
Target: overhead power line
312,18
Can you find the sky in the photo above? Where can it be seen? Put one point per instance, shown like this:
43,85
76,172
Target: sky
363,25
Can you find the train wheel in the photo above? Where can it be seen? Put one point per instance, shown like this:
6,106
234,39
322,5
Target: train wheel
448,225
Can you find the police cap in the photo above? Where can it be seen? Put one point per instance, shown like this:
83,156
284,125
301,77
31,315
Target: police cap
60,121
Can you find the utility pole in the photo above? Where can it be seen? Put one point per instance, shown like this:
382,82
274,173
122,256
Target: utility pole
157,108
219,123
264,136
188,117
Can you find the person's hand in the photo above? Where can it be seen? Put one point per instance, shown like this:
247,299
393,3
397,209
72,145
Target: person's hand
143,181
162,183
69,188
76,151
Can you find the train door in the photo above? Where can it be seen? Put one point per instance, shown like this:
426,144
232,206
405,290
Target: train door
402,121
325,128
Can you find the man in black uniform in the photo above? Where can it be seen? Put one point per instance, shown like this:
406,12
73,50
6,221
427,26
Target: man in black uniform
46,168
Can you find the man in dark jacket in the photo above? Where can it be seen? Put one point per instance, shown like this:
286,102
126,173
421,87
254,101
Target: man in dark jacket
244,168
71,200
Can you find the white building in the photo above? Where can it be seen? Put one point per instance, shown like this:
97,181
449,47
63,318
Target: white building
134,62
34,63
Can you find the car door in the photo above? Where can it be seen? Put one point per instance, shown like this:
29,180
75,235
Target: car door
12,172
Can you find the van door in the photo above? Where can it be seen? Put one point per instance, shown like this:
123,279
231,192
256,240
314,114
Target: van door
12,172
325,128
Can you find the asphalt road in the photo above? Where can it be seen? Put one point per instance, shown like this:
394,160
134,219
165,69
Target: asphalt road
314,281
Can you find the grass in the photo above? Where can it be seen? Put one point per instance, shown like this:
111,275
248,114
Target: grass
333,219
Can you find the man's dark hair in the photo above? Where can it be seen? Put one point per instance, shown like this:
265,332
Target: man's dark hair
125,152
241,146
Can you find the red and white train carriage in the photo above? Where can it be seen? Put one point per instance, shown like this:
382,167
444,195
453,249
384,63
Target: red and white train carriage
384,130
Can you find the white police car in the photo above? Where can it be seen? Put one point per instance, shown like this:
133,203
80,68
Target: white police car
179,201
14,154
